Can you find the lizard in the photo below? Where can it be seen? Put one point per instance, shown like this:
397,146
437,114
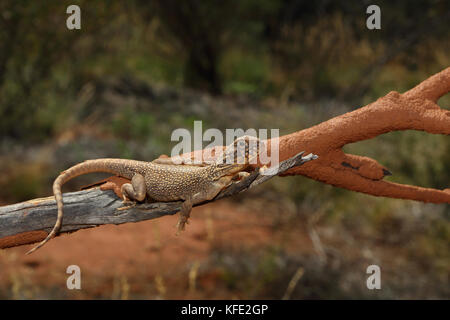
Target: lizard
163,179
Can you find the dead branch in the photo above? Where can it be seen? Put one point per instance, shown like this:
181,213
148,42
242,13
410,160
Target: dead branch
30,221
415,109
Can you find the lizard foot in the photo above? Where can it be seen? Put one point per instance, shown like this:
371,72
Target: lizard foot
185,212
182,222
131,205
240,176
180,226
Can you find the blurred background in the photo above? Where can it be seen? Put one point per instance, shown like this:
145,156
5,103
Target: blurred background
137,70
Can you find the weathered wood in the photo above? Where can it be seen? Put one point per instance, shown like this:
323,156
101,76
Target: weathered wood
94,207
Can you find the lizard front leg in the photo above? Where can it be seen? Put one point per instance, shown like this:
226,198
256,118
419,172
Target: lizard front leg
185,213
240,176
208,194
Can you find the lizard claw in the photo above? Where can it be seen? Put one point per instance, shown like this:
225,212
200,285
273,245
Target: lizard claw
262,169
181,225
132,205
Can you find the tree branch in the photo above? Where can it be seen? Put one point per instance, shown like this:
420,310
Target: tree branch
415,109
30,221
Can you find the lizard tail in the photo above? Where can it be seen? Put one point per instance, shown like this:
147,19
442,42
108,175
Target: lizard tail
116,166
59,202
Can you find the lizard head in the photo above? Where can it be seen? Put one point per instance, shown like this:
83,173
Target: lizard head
243,151
238,156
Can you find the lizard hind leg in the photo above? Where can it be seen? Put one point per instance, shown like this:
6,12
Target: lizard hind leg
136,190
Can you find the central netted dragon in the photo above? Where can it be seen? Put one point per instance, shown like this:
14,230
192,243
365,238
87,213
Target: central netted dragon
165,180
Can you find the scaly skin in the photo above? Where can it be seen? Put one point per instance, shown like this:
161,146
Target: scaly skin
160,180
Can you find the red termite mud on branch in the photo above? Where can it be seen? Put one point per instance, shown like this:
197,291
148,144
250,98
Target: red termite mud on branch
415,109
